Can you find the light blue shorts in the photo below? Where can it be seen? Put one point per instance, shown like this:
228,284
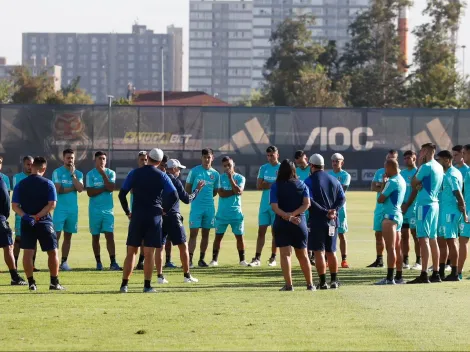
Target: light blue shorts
397,218
17,226
342,224
101,222
266,218
202,218
449,225
65,220
237,225
427,220
464,229
378,218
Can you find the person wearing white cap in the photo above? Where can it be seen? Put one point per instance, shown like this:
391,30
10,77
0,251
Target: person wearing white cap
230,210
202,213
154,194
173,228
337,162
99,187
326,200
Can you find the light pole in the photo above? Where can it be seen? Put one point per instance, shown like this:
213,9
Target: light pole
463,61
110,139
163,92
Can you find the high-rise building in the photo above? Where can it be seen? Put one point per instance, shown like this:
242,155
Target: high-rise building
108,62
220,48
177,33
211,63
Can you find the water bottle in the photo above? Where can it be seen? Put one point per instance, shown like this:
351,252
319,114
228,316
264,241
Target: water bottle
331,228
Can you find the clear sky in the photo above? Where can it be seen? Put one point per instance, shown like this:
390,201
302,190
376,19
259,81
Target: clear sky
18,16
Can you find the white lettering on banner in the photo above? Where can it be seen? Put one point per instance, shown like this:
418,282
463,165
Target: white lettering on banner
328,138
368,174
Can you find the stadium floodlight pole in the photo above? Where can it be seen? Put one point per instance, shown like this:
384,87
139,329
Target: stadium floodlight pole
110,103
163,92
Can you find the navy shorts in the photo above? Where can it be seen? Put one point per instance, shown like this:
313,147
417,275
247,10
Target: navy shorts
173,229
6,238
288,234
42,232
320,240
146,229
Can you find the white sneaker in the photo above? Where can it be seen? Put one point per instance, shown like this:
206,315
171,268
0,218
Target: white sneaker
213,263
255,262
448,268
162,281
65,267
406,266
244,263
416,267
190,279
272,262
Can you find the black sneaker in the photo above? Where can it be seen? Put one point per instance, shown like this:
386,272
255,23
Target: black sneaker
56,287
312,261
311,288
36,270
376,264
287,288
419,280
140,266
33,287
202,264
451,278
334,285
435,278
322,286
19,282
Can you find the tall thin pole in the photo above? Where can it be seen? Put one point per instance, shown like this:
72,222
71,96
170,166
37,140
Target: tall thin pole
463,61
163,93
110,139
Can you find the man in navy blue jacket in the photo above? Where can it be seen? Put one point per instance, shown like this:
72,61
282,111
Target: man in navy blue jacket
326,198
154,194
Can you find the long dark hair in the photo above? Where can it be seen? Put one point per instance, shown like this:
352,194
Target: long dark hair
286,171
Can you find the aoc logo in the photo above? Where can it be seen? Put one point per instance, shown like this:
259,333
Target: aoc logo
340,138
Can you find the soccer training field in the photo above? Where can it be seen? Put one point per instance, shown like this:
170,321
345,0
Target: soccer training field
232,307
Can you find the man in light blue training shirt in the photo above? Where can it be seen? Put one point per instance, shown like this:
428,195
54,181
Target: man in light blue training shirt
68,182
465,225
230,210
377,186
337,162
267,175
428,181
302,167
409,212
392,199
451,209
202,213
100,186
458,161
27,163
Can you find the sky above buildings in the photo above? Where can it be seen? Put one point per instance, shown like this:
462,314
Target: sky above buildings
106,16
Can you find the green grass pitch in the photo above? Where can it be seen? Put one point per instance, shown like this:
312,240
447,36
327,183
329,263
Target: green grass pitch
232,307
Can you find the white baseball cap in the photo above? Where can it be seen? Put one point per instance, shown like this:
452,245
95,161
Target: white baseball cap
156,154
316,159
337,156
172,163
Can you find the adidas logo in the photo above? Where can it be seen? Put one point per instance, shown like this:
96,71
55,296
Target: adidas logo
435,130
252,139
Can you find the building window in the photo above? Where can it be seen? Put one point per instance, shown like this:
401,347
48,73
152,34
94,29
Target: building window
130,66
33,40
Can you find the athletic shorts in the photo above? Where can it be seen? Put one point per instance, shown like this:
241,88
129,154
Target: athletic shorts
202,218
65,220
378,217
266,218
464,229
288,234
173,229
426,220
101,222
320,240
147,229
237,226
6,235
17,226
396,218
342,224
449,225
42,232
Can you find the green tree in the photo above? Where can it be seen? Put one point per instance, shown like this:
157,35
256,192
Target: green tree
371,59
6,91
122,101
435,82
256,98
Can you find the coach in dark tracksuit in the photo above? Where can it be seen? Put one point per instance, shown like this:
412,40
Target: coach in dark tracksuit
33,200
6,240
153,195
173,228
326,198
